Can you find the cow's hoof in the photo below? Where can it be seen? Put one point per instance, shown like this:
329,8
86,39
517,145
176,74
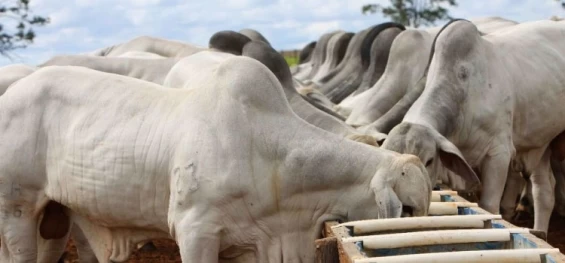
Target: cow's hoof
148,247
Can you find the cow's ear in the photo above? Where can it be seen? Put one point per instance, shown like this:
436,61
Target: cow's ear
453,160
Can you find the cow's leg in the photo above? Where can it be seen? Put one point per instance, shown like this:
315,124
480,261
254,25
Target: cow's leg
494,170
19,235
559,174
84,251
4,253
198,241
514,185
51,250
543,192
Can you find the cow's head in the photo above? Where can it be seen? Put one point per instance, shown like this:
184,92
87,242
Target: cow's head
433,150
402,188
459,62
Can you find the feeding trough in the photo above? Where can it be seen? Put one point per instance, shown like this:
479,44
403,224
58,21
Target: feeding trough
456,230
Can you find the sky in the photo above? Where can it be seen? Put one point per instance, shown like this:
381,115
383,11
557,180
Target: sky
84,25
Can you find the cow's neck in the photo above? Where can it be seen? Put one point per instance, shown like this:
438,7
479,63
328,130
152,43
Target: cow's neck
323,162
322,177
436,109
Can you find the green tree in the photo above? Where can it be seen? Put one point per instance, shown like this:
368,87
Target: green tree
16,25
413,13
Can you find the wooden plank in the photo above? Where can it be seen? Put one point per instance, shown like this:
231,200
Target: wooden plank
326,250
327,231
348,252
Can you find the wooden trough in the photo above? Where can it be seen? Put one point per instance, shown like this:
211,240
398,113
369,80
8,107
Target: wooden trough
455,231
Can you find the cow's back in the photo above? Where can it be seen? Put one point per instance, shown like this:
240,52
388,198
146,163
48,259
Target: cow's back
12,73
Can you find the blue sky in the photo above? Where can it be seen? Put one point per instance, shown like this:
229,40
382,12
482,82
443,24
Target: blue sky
85,25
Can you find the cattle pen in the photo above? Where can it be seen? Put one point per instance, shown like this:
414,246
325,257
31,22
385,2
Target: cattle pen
456,231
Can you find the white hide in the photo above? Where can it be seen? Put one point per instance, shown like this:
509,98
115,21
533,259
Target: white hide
159,46
140,54
12,73
152,70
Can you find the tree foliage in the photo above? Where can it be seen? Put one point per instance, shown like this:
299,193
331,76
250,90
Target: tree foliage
16,26
413,13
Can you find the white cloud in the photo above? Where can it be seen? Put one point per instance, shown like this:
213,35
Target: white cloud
319,28
61,17
136,16
143,3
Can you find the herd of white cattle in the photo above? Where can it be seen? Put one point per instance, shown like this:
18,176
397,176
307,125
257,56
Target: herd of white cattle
239,158
478,101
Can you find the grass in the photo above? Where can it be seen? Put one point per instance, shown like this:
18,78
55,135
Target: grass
291,61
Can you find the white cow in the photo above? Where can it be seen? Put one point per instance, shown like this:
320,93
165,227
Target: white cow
12,73
158,71
409,55
308,70
152,70
135,161
335,52
348,75
478,98
140,54
306,53
159,46
409,58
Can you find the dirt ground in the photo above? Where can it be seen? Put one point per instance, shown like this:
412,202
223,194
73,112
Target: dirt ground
167,251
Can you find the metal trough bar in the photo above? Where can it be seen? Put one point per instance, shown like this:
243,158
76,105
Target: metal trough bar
436,195
448,208
414,223
438,237
510,255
